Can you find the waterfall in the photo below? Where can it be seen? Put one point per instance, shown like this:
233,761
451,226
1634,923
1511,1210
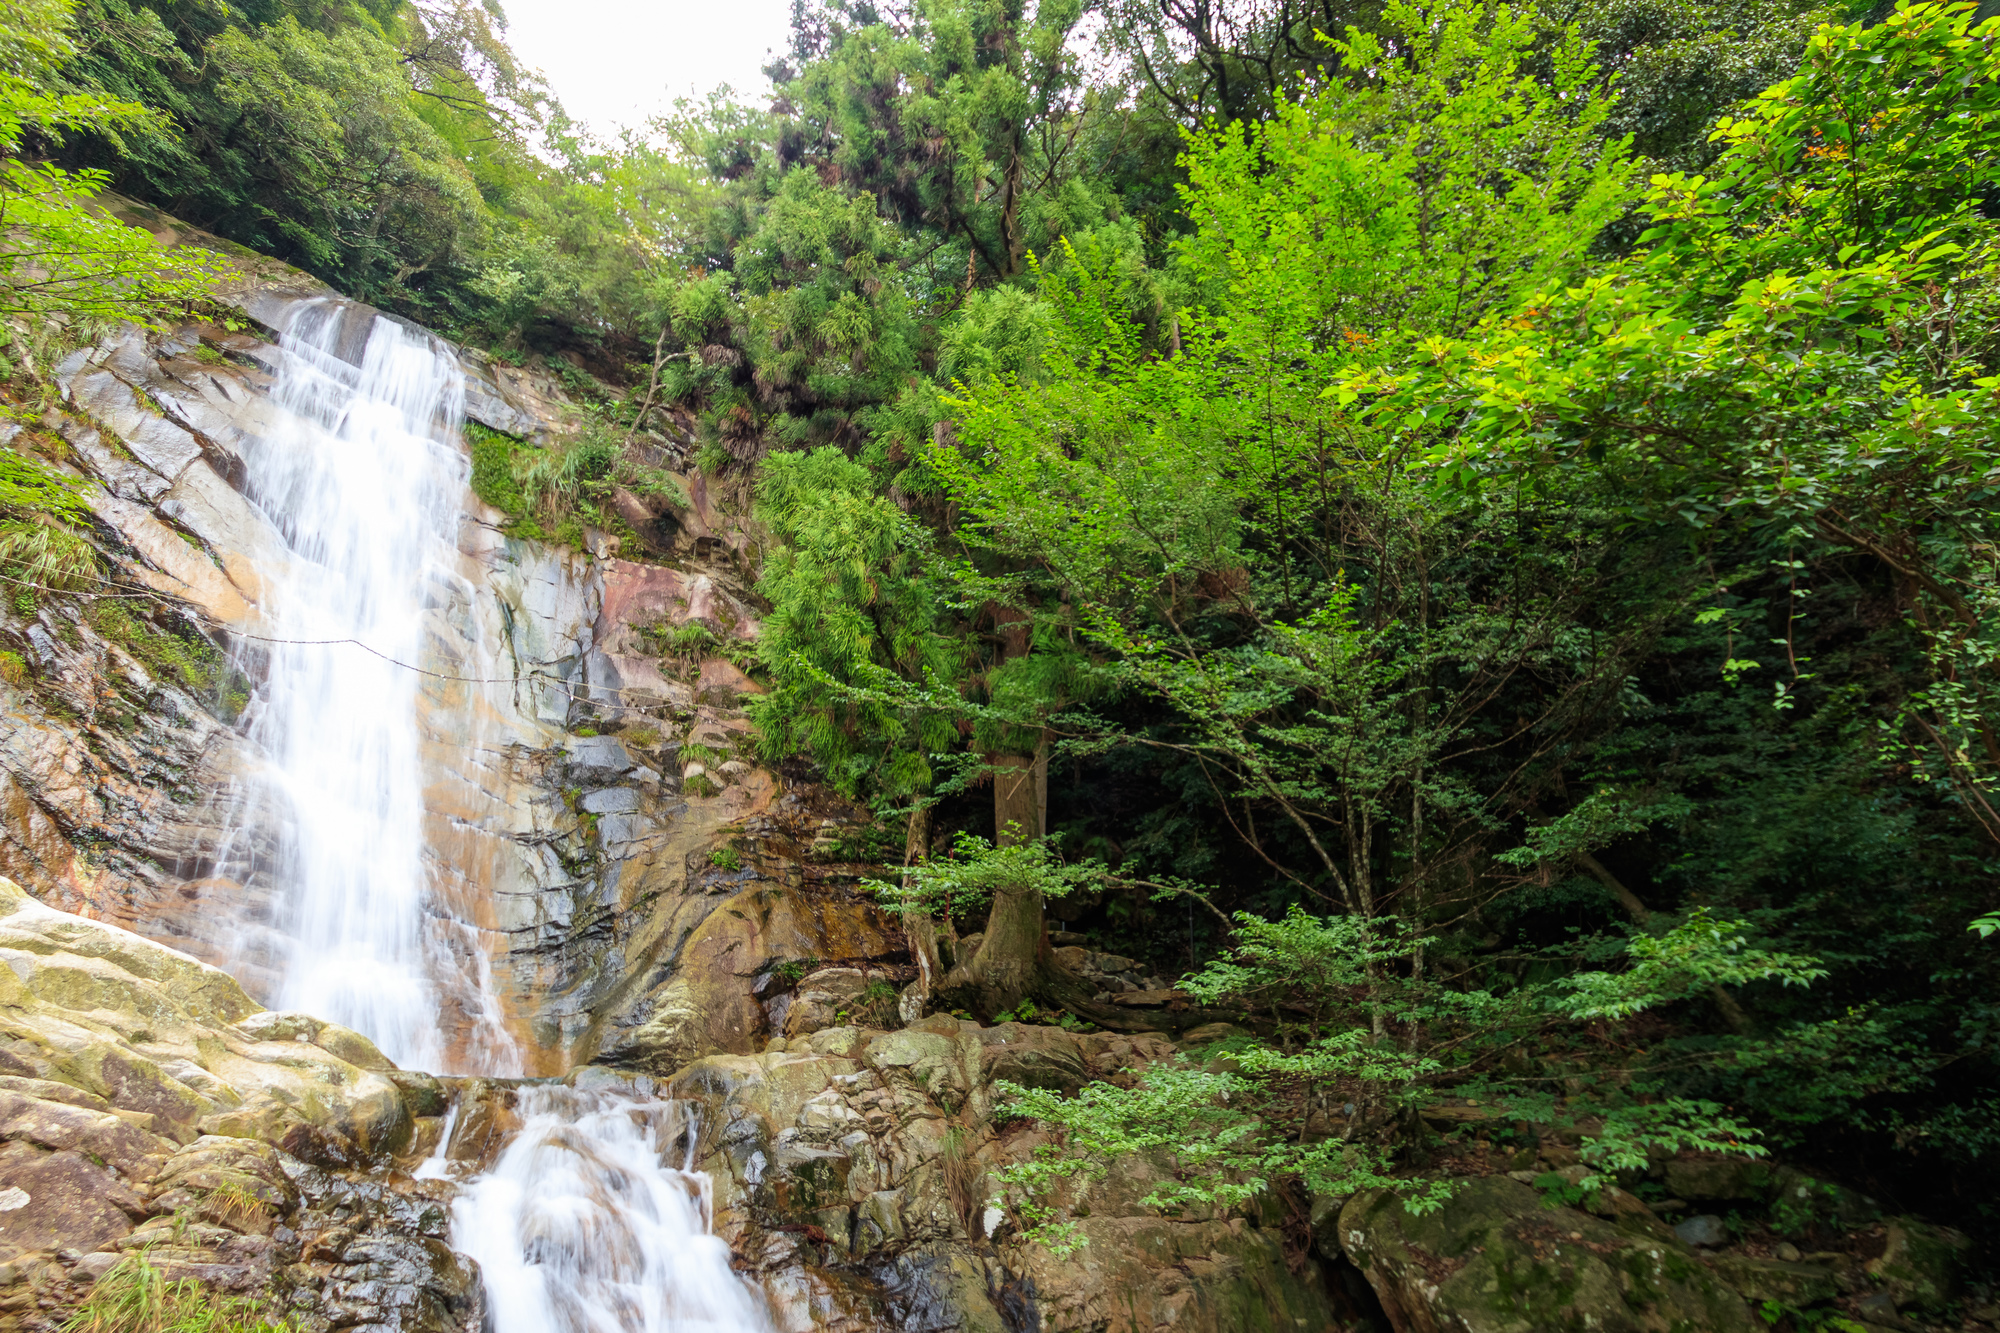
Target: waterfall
582,1226
363,479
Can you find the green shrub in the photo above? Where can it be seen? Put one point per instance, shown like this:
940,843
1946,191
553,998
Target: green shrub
793,970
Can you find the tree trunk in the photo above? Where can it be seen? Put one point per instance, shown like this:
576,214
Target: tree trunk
1733,1012
1013,958
1004,969
1012,244
1008,964
919,927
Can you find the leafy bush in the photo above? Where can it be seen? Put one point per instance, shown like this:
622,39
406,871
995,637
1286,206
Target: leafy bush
1351,1026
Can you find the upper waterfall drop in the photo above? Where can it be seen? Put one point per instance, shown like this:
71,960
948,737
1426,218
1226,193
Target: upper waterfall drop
364,482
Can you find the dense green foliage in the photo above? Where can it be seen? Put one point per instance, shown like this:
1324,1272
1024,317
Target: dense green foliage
1532,565
62,256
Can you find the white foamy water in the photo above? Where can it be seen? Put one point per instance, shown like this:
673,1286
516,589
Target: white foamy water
363,477
592,1220
584,1225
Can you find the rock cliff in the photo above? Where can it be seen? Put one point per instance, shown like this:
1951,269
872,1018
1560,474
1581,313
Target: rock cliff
570,863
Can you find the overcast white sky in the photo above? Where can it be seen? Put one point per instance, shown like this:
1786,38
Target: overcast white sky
615,62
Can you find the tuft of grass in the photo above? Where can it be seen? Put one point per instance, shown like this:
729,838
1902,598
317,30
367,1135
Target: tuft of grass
694,752
961,1176
231,1204
13,668
47,555
558,479
726,858
712,459
136,1297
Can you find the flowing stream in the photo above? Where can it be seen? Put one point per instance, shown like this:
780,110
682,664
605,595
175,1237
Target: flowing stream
582,1225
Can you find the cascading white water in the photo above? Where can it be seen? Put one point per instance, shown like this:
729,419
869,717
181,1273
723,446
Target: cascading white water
583,1227
363,480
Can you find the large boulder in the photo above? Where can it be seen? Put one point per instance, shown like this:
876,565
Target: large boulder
834,996
60,1200
853,1170
702,990
1032,1056
1495,1260
116,1051
1139,1273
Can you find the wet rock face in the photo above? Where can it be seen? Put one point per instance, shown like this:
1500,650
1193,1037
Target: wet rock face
707,945
572,869
372,1256
121,782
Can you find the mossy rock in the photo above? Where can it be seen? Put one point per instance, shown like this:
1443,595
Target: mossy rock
1796,1285
1495,1260
1720,1178
1920,1264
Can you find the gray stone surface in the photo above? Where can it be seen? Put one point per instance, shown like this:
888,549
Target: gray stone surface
1705,1229
611,801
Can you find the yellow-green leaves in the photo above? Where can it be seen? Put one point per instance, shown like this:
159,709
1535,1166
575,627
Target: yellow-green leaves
57,252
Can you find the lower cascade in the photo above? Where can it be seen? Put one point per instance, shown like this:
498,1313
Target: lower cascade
584,1225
